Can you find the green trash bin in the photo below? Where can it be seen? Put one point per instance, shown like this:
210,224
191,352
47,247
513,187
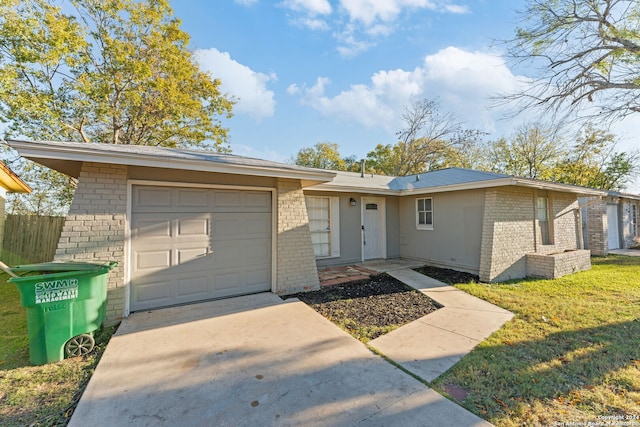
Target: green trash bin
65,303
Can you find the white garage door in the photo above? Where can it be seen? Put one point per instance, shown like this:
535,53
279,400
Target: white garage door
194,244
612,221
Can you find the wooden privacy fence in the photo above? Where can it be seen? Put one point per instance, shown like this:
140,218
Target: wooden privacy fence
30,238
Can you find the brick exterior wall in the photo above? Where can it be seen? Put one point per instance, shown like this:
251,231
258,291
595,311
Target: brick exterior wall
510,230
94,229
296,263
597,227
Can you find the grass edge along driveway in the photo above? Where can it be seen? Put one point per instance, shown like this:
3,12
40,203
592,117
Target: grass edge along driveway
37,395
571,354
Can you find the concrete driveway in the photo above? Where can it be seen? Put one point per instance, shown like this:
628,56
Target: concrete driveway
252,360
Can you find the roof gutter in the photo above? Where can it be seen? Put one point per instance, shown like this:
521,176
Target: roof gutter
12,182
91,153
554,186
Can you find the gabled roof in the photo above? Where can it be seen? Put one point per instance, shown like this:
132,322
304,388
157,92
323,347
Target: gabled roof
624,195
67,157
450,179
12,182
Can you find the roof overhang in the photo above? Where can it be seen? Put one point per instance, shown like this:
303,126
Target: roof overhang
12,182
474,185
68,158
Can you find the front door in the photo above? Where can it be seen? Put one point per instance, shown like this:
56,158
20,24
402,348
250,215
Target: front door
374,242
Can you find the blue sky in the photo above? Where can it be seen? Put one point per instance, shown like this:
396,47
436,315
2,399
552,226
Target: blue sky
308,71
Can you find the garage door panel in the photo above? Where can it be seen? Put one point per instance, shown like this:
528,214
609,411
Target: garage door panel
191,197
153,259
152,294
152,197
196,244
242,226
260,253
197,287
258,200
227,199
193,226
150,227
259,276
188,255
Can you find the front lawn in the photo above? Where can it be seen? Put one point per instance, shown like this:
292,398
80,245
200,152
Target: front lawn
36,395
571,355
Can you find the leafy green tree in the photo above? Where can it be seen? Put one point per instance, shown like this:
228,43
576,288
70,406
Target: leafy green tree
532,152
116,71
593,162
586,54
325,155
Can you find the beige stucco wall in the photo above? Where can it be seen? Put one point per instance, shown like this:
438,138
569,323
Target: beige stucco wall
510,230
456,237
351,231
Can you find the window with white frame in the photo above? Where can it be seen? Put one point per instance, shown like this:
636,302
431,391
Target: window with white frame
424,213
324,214
634,220
542,215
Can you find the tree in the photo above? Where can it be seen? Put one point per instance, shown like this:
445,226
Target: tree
593,162
429,140
117,72
587,53
531,152
326,155
108,72
539,152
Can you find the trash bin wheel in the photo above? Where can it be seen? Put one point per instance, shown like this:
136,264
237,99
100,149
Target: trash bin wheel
79,345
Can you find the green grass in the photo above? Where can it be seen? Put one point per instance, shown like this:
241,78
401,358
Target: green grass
37,395
571,354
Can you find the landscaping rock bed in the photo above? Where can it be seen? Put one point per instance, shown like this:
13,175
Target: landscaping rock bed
369,308
448,276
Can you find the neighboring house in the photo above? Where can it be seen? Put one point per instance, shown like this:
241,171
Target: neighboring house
188,225
610,222
9,183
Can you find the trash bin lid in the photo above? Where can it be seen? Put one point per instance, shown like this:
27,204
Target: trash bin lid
63,266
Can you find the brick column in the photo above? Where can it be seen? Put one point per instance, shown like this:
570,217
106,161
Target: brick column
597,227
296,263
94,229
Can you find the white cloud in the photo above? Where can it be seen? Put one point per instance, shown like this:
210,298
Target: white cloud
247,86
455,8
357,24
462,81
310,7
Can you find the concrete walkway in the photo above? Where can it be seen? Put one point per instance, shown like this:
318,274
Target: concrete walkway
627,252
254,361
434,343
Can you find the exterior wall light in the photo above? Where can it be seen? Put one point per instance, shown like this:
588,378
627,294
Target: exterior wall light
352,201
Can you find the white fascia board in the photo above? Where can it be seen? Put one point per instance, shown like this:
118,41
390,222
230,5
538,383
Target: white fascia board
353,189
554,186
36,151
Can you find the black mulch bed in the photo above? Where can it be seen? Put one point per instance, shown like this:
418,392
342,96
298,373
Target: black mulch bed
445,275
370,308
